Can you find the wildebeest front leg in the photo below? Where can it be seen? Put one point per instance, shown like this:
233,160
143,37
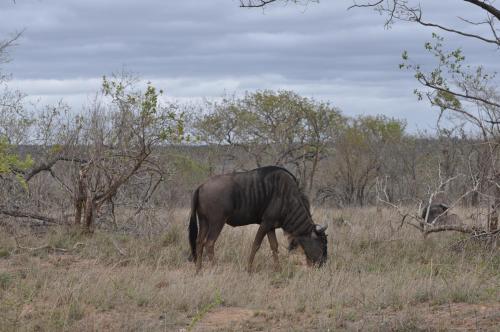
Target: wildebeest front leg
273,242
256,245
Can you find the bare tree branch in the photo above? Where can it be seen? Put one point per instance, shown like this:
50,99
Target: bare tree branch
465,34
47,166
255,3
356,5
8,43
264,3
489,8
427,83
401,10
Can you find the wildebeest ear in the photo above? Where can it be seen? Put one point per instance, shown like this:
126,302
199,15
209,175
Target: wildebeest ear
320,228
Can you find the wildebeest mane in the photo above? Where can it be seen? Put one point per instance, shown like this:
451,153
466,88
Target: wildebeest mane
263,171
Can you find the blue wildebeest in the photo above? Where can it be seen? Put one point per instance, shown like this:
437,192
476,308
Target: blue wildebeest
268,196
437,212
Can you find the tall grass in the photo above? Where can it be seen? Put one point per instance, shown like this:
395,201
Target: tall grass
113,281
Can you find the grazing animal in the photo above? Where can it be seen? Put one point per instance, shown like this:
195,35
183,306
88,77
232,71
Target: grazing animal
437,213
268,196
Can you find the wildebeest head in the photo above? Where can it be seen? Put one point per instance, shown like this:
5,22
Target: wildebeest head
314,246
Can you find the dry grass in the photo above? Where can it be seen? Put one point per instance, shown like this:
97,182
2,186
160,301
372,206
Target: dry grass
378,277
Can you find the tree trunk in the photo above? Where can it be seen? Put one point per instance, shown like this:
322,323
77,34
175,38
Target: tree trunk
493,220
313,170
90,213
85,204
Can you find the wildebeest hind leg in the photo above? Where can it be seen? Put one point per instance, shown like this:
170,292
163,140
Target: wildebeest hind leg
200,242
213,234
273,242
256,245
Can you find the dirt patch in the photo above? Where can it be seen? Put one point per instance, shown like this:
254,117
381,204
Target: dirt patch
465,316
121,321
227,319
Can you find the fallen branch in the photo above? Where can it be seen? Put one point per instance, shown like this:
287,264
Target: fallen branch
426,228
483,236
30,215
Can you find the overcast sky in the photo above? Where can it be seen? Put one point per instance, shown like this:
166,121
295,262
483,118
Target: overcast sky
195,49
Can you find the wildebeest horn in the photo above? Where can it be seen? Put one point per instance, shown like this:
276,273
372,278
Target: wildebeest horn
320,228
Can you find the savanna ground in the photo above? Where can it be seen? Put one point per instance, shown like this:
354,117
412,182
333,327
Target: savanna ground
378,277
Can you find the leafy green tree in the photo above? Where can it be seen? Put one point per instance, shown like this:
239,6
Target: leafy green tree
13,121
118,138
273,127
11,162
85,162
460,90
361,156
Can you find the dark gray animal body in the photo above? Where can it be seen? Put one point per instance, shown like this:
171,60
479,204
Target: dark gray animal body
437,212
268,196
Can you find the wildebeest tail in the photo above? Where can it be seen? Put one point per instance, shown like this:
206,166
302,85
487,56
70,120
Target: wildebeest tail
193,225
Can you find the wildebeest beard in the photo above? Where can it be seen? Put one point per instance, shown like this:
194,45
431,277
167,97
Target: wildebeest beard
315,247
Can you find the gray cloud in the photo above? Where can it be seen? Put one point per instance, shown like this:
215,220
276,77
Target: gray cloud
198,49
